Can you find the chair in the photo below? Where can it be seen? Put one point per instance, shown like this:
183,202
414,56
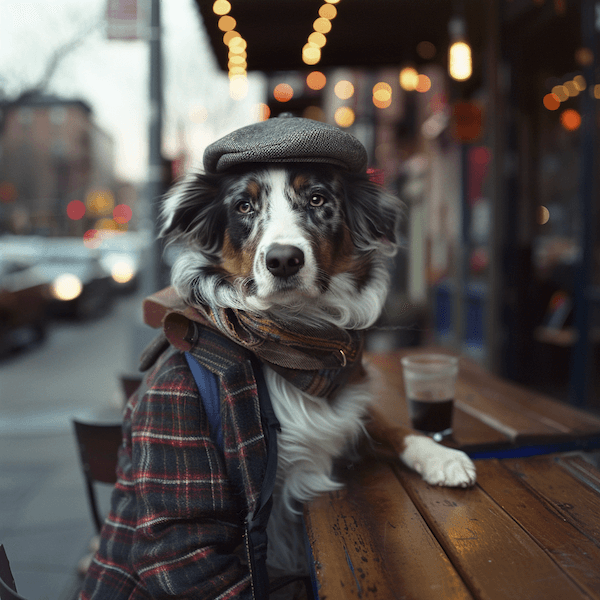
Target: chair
130,383
8,589
98,447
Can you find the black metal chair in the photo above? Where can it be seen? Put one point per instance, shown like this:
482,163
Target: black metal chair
98,447
8,589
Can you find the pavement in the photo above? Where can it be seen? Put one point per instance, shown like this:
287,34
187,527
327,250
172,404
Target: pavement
45,522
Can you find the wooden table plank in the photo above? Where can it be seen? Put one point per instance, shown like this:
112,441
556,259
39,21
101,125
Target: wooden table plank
369,541
577,555
495,557
575,501
576,421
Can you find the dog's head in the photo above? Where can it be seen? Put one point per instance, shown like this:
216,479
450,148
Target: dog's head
300,237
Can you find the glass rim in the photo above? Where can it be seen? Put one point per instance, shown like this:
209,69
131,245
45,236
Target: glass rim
429,358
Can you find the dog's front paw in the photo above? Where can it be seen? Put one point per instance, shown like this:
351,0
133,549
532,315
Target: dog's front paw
437,464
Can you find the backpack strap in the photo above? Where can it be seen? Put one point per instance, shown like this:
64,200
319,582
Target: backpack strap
208,387
207,383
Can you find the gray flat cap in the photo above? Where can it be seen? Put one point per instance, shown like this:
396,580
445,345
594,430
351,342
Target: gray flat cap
286,139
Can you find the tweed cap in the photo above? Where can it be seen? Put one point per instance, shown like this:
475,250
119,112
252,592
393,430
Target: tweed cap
286,139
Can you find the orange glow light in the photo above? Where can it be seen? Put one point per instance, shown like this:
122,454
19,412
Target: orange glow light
261,111
570,119
424,84
283,92
227,23
344,116
328,11
316,80
382,103
322,25
318,39
551,101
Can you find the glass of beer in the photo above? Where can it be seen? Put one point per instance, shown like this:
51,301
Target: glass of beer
429,382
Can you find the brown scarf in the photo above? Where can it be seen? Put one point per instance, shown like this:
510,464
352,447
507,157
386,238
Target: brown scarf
318,361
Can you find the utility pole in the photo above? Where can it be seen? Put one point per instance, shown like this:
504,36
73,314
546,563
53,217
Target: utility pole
155,162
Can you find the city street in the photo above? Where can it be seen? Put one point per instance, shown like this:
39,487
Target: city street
45,522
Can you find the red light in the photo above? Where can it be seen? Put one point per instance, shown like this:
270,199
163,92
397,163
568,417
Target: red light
75,210
122,213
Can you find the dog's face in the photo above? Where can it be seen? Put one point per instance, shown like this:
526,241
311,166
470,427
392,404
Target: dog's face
278,236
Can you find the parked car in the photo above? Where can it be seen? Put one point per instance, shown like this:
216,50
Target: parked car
24,299
79,285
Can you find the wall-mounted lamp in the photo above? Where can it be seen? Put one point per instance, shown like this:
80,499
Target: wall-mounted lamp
460,63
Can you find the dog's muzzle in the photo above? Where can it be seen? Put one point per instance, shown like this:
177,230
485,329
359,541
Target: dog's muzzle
283,261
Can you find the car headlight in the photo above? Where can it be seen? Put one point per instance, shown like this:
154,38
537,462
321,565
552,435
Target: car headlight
66,287
122,271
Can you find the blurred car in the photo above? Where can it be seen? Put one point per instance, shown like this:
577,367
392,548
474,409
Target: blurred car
24,299
79,285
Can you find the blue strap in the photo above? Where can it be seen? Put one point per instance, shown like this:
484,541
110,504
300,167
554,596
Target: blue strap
208,386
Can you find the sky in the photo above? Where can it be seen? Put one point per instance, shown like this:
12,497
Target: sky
112,76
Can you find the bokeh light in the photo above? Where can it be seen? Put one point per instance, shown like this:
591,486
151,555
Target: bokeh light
316,80
227,23
221,7
318,39
343,89
283,92
328,11
100,202
322,25
311,54
92,239
423,84
66,287
344,116
551,101
543,215
570,119
122,213
561,92
409,78
382,91
75,210
261,112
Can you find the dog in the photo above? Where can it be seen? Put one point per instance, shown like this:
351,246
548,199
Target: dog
306,244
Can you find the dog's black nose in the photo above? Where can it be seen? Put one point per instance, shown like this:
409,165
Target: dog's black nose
284,260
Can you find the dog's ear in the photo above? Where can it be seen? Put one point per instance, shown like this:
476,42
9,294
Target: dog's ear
192,212
372,215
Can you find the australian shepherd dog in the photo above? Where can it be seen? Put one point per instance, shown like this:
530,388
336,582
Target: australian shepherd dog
307,243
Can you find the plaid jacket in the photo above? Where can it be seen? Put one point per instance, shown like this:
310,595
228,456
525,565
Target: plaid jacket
176,524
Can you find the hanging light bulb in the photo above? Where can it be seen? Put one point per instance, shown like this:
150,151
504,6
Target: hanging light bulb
460,63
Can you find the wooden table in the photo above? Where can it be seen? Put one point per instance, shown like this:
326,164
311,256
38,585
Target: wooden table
529,528
494,417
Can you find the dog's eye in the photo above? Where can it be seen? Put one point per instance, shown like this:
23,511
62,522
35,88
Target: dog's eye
244,207
317,200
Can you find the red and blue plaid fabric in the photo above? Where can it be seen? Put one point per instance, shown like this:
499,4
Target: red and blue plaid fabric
178,508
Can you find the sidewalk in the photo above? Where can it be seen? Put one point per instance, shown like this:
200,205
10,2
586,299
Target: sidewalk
45,521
